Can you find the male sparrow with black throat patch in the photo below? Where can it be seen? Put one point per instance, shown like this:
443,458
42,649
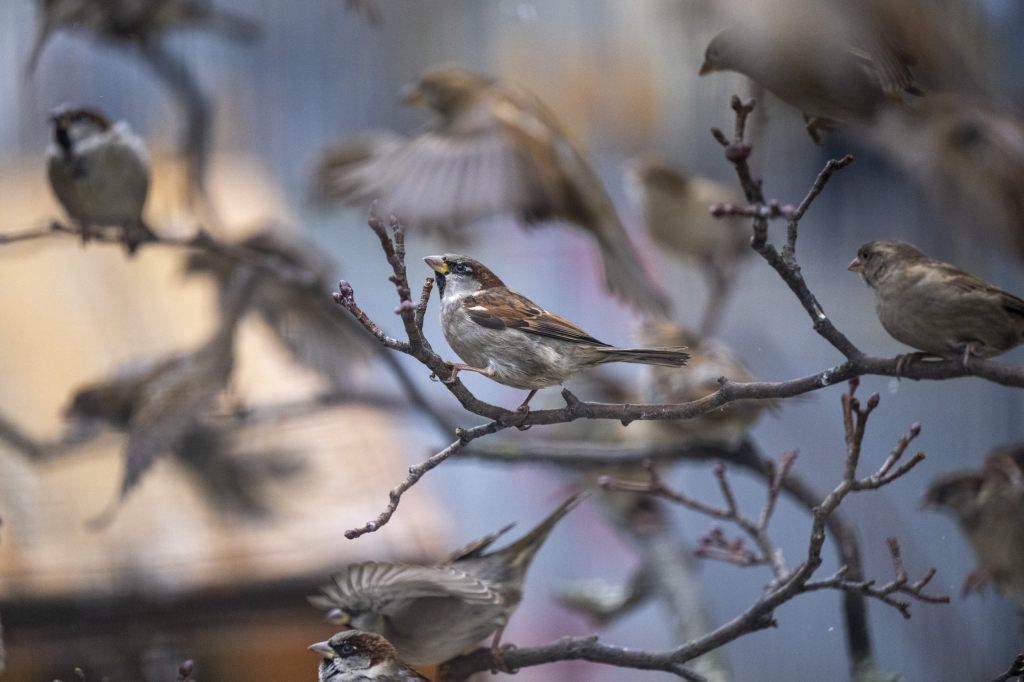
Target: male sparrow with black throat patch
356,656
508,338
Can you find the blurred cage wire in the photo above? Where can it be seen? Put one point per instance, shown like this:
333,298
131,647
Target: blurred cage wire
181,573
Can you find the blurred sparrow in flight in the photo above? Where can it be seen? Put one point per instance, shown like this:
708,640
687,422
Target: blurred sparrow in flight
494,148
989,507
356,656
99,173
434,613
936,307
508,338
134,20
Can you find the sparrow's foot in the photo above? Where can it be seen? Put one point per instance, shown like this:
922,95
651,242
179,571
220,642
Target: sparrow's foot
87,232
498,664
969,350
976,581
904,361
456,367
524,409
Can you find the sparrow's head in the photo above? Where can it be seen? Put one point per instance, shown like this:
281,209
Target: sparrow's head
723,53
353,650
73,124
956,493
447,90
461,275
877,259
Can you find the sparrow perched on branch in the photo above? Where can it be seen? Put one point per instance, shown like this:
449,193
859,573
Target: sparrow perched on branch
709,361
357,656
835,62
434,613
99,173
305,321
508,338
936,307
135,20
494,148
161,405
989,507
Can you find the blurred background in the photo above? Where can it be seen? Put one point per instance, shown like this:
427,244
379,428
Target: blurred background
192,567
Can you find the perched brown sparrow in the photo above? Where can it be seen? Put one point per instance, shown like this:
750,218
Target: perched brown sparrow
494,148
434,613
357,656
936,307
136,20
508,338
709,361
989,506
305,321
834,62
160,407
100,173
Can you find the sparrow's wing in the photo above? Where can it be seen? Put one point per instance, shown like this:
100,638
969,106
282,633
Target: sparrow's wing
504,309
372,585
476,547
969,284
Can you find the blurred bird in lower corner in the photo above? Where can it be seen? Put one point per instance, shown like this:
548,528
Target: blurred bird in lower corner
160,404
135,20
709,361
675,210
100,173
433,613
304,318
988,504
357,656
494,148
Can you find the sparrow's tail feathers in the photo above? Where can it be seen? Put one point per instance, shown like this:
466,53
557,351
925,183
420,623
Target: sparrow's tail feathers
523,550
625,276
666,357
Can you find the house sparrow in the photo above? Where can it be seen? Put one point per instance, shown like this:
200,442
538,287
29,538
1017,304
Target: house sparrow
494,148
99,173
508,338
989,507
936,307
434,613
160,407
709,361
835,62
357,656
305,321
134,20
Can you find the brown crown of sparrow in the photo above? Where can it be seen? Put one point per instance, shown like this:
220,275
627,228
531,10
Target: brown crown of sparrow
936,307
357,656
988,504
494,148
510,339
99,172
434,613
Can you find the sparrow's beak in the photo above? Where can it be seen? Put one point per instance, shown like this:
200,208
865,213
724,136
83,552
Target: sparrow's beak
437,264
856,265
323,649
706,68
412,96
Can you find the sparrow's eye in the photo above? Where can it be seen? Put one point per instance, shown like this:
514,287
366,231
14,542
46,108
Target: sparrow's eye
461,269
346,649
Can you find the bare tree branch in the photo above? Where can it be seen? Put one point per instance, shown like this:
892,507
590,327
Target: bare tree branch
1016,670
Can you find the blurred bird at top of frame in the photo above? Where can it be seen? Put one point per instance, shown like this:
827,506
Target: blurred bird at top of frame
493,148
434,613
709,361
303,317
988,504
936,307
99,173
160,405
135,20
357,656
510,339
835,62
